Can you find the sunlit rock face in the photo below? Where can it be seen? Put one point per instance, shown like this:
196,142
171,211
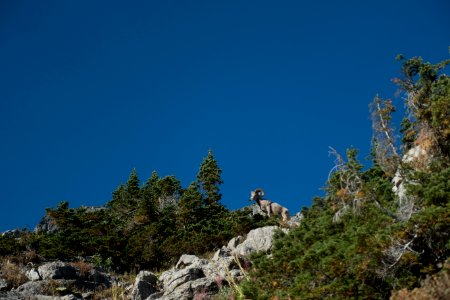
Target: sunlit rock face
417,158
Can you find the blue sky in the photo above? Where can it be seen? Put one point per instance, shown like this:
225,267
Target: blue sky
91,89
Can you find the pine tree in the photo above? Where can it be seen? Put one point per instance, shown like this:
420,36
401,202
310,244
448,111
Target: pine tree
152,180
190,204
147,207
132,186
117,195
148,190
209,180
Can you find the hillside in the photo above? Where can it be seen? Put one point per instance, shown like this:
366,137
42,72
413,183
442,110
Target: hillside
378,233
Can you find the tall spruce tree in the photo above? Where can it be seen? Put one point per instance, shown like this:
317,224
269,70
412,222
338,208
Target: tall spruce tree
147,207
132,186
190,204
209,180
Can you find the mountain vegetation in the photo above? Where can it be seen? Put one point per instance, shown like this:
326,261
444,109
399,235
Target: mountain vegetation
381,231
144,227
378,229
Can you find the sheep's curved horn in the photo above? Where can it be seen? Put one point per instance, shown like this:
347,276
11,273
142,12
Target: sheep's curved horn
260,191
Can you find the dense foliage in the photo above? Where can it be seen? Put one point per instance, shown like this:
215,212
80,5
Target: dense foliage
362,240
144,227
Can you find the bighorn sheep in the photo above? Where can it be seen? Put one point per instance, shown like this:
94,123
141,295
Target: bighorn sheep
269,207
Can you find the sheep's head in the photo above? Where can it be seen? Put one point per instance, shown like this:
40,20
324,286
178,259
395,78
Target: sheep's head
256,195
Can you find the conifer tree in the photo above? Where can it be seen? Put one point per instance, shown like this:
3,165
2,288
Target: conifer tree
148,190
152,180
190,203
132,186
147,206
209,180
118,194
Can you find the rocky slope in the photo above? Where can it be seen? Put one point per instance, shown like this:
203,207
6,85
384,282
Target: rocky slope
192,277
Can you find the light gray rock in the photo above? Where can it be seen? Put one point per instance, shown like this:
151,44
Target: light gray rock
179,277
145,284
11,233
260,239
256,210
193,277
3,284
88,295
202,288
31,288
70,297
33,275
232,244
46,224
11,295
222,252
91,209
42,287
416,158
295,220
57,270
187,260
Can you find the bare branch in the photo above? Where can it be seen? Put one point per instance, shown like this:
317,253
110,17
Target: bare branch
386,152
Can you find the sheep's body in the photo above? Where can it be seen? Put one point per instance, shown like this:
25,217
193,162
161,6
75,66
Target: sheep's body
269,207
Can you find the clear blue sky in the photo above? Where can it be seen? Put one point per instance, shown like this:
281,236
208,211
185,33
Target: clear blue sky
91,89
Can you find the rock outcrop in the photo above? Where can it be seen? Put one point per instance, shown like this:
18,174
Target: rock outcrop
191,278
3,284
257,240
11,233
194,277
145,285
57,270
46,224
417,158
58,280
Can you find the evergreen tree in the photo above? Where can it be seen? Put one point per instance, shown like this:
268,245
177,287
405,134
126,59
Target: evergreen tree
209,180
151,182
147,211
132,186
190,204
117,195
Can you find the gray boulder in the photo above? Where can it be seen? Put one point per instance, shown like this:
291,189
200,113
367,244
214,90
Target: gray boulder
47,224
192,277
173,280
232,244
33,274
145,285
11,295
187,260
260,239
295,220
42,287
202,288
196,278
57,270
3,284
